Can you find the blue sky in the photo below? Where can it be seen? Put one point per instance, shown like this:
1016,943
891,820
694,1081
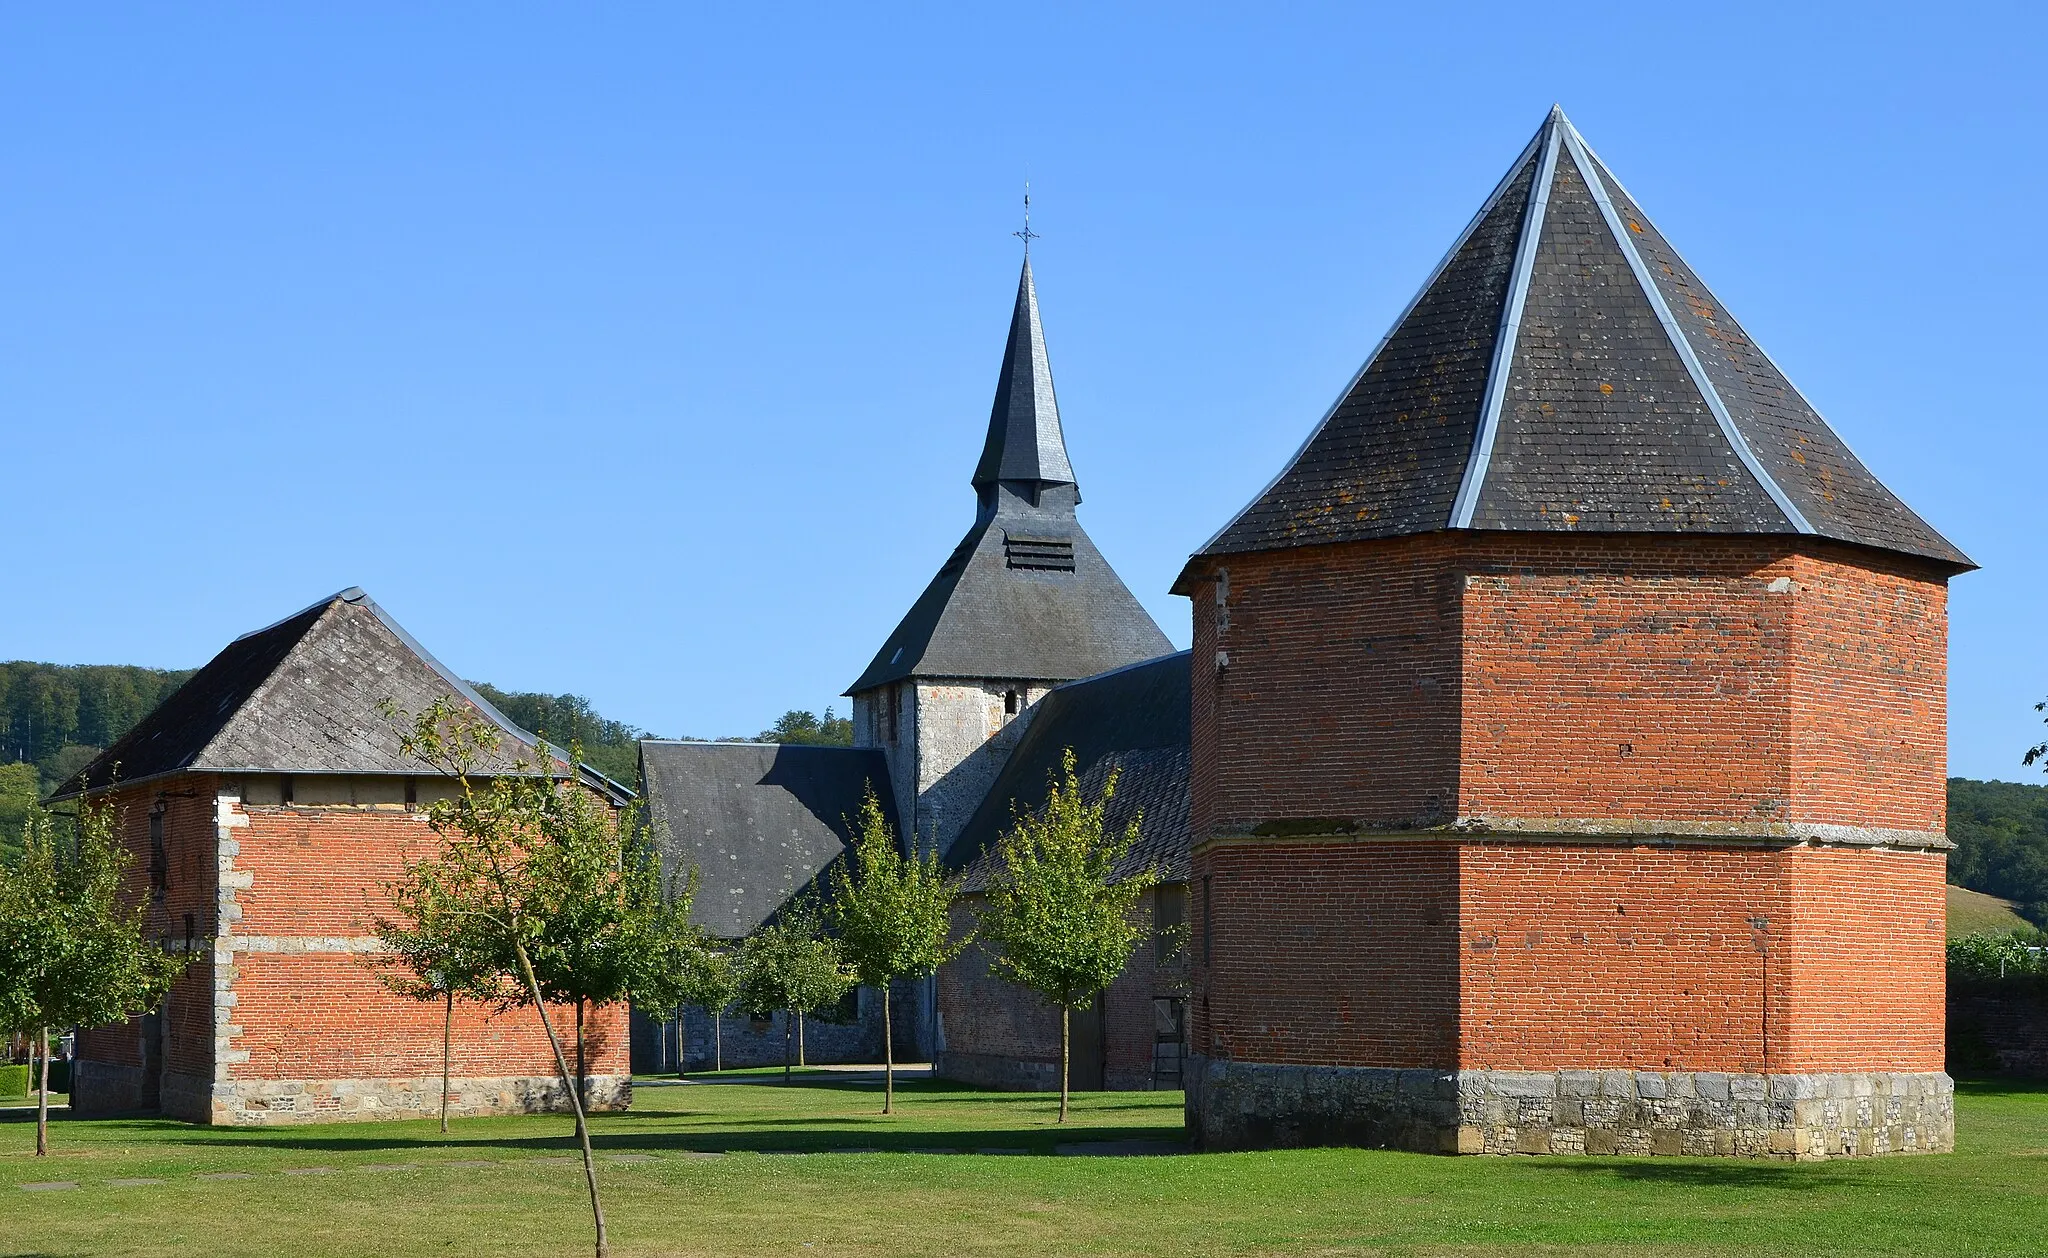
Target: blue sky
645,352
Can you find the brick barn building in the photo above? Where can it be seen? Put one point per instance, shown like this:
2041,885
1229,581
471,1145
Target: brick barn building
266,802
1569,735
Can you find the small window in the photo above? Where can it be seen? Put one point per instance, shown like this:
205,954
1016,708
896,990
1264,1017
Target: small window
159,856
1045,554
284,788
1009,703
895,711
412,789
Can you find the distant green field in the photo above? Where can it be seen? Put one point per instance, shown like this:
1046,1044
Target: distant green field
508,1187
1973,912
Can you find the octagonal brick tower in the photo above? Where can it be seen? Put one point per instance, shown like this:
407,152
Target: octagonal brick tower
1569,735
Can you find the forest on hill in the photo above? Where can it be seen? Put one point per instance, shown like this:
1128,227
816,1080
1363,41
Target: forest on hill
54,718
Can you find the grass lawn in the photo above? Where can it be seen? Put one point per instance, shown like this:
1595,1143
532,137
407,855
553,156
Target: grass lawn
506,1186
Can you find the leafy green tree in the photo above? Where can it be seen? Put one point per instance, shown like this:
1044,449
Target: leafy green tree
434,953
790,964
611,747
702,975
19,791
1059,920
807,728
605,932
72,953
505,845
893,915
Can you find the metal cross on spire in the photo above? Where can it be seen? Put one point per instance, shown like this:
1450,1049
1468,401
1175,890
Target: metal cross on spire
1027,235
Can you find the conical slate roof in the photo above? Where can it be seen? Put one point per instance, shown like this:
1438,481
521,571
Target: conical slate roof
1025,596
1025,443
1565,370
304,695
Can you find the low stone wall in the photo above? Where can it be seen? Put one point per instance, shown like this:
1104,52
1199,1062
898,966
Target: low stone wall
1241,1105
270,1102
99,1088
1998,1028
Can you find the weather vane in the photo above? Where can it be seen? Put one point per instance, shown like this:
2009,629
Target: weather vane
1027,235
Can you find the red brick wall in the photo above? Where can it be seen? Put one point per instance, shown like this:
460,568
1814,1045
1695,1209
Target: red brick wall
193,883
319,873
1582,677
1870,692
1861,970
316,879
1594,956
1588,680
1337,953
1638,679
1340,697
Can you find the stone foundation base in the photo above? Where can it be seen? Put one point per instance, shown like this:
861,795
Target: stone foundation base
262,1102
1243,1105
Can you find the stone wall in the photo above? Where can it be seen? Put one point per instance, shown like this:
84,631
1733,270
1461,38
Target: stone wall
997,1034
1805,1117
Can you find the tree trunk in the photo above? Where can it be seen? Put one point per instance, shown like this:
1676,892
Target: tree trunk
888,1054
1066,1018
717,1040
582,1078
42,1058
447,1037
800,1039
788,1026
682,1046
604,1247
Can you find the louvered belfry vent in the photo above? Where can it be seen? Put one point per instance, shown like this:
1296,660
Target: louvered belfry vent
1048,554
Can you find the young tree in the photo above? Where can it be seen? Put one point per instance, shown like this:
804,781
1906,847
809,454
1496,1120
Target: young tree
432,953
505,843
789,964
678,964
1058,920
706,977
892,914
71,952
605,929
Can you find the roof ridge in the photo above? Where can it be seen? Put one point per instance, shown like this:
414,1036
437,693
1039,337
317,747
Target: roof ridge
1429,281
1500,368
1738,440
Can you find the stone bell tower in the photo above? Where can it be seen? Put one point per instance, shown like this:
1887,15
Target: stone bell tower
1024,602
1569,735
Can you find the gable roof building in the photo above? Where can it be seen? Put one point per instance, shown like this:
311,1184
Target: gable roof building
1564,369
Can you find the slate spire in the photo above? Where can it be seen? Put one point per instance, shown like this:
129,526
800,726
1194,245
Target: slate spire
1025,444
1564,370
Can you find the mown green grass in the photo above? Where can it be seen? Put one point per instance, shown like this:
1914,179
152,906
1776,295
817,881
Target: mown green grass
1989,1198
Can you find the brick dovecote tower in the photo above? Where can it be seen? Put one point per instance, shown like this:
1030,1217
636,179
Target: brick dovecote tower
1569,735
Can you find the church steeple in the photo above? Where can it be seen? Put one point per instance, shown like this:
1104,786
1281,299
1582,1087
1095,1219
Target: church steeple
1025,447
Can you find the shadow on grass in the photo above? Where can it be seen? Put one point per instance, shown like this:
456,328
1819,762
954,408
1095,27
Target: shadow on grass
795,1138
1705,1173
2001,1085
